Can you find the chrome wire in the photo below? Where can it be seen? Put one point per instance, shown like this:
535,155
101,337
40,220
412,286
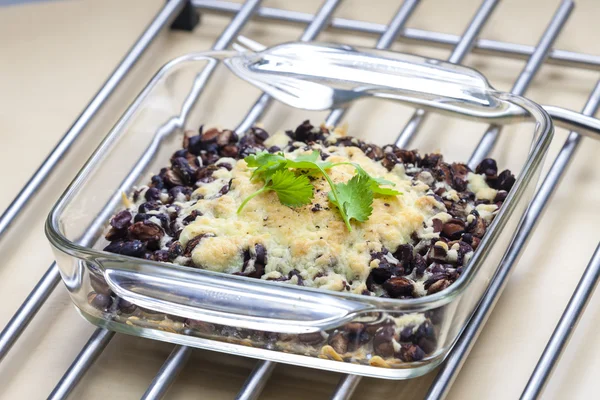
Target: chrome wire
542,50
84,360
449,370
346,387
257,380
164,18
458,54
439,39
254,384
563,331
320,21
385,41
91,350
168,373
51,277
250,391
589,280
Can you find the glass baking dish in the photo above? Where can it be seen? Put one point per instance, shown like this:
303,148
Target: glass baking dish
259,318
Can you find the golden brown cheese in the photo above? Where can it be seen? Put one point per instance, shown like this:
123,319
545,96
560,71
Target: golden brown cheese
316,243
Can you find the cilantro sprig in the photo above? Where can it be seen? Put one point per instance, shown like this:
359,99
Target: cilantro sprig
354,199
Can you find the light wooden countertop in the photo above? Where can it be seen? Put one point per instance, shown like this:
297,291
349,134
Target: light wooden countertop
55,56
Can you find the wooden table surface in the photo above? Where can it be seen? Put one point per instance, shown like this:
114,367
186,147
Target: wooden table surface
55,56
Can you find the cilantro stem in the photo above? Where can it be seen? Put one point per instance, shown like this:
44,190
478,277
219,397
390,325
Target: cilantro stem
247,199
337,200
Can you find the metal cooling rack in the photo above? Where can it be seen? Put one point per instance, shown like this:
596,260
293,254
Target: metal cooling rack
183,14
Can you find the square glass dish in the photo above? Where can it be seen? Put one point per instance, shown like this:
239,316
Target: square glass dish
260,318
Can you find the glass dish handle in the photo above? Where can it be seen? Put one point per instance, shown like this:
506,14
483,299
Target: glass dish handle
572,120
203,297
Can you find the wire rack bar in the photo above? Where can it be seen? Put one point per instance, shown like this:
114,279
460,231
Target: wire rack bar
168,373
564,329
319,22
82,363
346,387
253,387
348,383
438,39
586,285
164,18
464,45
91,349
257,380
451,367
385,41
490,137
46,285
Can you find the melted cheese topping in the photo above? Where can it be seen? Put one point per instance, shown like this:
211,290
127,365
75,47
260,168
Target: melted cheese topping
316,243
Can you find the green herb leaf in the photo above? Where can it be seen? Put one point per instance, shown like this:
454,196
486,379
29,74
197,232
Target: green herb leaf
309,161
265,163
292,190
354,198
375,183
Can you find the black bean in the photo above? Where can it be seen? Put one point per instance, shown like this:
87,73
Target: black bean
230,150
312,338
152,194
500,196
404,254
174,193
172,178
100,301
194,242
389,161
157,182
146,230
438,286
406,334
339,342
161,255
224,190
453,229
200,326
487,167
194,146
125,306
175,250
419,265
148,206
184,170
226,137
115,234
408,156
260,134
261,253
398,286
382,341
191,217
99,285
431,160
121,220
410,352
274,149
133,248
506,180
295,273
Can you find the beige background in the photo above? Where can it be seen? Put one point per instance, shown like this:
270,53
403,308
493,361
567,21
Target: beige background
56,55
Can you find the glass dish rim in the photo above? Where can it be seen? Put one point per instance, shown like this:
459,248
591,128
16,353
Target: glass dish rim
541,139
